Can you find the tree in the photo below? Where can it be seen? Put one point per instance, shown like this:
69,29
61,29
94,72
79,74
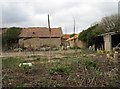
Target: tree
11,36
110,23
107,24
72,35
89,35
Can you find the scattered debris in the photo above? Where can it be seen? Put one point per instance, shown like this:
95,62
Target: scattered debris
25,64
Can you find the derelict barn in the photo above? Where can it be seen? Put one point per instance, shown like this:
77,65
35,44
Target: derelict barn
38,37
108,41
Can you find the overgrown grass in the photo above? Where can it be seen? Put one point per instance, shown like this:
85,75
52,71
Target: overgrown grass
60,69
68,70
89,63
11,62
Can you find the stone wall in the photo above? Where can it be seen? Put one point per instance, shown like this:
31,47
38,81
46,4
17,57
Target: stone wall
38,42
79,43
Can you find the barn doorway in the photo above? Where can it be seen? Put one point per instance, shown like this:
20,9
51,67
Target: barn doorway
99,43
115,40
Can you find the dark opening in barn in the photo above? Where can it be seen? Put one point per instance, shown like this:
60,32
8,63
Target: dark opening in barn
115,40
99,43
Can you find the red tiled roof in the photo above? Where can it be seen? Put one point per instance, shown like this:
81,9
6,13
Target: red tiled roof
41,32
66,36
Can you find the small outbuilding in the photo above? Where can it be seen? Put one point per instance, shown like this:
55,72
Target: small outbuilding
108,41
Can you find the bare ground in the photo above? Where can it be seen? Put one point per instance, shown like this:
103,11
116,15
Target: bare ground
102,73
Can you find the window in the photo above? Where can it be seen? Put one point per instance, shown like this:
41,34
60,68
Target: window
33,32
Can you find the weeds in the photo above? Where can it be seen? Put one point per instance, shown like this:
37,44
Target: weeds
90,64
11,62
26,68
69,70
60,69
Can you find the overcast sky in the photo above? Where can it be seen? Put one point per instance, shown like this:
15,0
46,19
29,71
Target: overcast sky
29,13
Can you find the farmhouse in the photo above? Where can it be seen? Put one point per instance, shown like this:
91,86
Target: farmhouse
37,37
108,41
74,41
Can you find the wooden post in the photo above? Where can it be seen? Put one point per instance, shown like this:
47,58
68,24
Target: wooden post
65,44
50,35
75,39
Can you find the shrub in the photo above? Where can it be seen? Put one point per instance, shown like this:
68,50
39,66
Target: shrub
60,69
11,37
72,35
90,64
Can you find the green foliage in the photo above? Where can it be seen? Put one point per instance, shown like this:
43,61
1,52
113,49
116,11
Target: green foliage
60,69
100,52
83,35
25,68
107,24
115,82
90,64
110,23
72,35
89,35
11,36
12,33
11,62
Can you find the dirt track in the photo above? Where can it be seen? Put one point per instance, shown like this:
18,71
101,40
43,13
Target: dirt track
42,53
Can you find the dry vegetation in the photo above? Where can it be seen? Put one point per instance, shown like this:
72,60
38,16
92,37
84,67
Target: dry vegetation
68,70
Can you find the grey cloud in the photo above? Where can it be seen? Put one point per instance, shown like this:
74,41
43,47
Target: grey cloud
13,13
28,13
